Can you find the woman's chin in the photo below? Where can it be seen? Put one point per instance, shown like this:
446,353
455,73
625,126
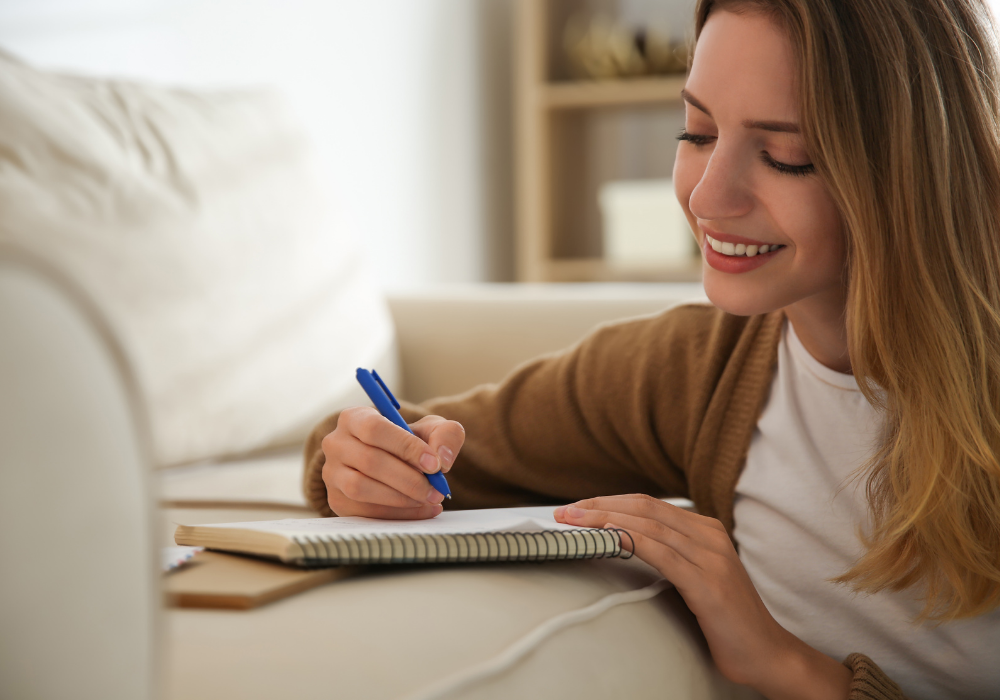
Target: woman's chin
738,298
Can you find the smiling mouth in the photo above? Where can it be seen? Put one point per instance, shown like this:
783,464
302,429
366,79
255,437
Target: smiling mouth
738,250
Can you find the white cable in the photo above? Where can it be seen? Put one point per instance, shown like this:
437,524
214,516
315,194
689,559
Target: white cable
519,649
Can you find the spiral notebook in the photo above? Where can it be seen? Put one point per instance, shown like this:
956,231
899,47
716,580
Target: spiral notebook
502,534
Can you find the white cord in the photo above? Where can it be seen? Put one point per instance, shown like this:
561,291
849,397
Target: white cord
519,649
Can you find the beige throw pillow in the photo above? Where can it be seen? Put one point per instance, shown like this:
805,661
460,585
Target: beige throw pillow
194,221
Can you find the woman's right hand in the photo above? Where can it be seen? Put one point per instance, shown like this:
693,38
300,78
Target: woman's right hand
377,470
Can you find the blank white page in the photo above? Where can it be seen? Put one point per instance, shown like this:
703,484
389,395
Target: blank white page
533,519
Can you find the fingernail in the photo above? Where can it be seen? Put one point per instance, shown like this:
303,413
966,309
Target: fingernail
574,512
559,512
428,463
434,497
445,457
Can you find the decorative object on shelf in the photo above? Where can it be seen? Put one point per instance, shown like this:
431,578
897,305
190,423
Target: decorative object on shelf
644,224
603,49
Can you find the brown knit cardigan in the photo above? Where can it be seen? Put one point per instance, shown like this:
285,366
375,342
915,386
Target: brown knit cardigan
663,405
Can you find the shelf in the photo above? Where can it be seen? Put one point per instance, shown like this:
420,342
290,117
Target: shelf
581,94
600,270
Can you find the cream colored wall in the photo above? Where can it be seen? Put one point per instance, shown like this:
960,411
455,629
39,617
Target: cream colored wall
408,102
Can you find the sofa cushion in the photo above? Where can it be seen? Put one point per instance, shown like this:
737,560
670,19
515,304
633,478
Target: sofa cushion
194,222
391,632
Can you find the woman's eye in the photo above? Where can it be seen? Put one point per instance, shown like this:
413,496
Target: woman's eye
785,167
696,139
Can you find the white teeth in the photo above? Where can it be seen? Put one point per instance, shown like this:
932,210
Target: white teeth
740,249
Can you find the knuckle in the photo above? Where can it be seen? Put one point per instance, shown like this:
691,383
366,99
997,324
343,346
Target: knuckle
716,524
369,430
328,444
412,449
349,484
646,504
721,540
349,416
663,533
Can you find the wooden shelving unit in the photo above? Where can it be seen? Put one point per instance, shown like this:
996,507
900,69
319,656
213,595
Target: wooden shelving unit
585,94
562,159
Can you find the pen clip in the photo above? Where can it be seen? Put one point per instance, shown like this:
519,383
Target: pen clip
388,393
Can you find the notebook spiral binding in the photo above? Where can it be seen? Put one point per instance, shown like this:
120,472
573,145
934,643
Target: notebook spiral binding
545,545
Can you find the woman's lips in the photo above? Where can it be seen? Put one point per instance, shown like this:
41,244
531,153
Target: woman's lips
736,264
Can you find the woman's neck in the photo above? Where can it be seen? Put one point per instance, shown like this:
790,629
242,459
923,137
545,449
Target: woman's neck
820,322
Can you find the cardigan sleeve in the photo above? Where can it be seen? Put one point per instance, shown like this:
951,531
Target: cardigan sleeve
870,682
617,413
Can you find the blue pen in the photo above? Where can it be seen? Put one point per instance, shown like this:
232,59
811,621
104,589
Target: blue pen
386,404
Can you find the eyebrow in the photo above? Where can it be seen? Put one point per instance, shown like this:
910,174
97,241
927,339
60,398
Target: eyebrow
764,125
782,127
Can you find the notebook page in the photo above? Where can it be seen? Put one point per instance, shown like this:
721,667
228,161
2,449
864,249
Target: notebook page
449,522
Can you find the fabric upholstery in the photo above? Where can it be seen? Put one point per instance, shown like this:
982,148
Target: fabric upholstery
194,221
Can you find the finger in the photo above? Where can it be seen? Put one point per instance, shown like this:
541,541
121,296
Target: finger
675,568
362,488
389,470
653,529
648,507
371,428
444,437
369,510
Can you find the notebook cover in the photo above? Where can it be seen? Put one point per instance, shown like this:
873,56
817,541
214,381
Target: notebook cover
218,580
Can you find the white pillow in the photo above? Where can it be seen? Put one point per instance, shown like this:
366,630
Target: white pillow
194,221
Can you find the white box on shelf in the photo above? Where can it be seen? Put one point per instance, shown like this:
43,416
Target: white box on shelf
644,223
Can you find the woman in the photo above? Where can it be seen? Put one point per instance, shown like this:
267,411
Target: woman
836,417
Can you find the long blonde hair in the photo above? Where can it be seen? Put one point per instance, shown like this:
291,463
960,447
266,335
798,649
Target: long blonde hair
901,116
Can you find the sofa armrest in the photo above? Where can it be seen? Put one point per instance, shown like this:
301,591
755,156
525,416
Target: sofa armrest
79,594
455,337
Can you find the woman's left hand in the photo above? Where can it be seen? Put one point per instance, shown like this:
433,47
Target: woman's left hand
695,554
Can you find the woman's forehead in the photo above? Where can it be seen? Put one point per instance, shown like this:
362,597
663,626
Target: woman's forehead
744,68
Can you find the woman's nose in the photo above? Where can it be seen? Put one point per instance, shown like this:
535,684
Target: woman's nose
723,191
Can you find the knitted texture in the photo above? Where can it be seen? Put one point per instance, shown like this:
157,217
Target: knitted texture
869,682
663,405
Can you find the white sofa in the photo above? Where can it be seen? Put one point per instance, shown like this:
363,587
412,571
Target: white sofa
379,635
374,636
175,313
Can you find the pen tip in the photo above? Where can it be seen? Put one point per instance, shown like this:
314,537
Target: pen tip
448,496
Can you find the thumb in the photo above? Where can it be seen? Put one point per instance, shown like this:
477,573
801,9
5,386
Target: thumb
444,437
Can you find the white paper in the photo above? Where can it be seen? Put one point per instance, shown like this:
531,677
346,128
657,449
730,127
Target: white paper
449,522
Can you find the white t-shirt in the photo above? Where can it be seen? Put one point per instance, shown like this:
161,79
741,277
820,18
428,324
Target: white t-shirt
797,515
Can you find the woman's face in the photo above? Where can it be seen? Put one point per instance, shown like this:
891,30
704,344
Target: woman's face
744,177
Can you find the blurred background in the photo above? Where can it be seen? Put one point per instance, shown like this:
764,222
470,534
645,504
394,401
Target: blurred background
191,270
410,105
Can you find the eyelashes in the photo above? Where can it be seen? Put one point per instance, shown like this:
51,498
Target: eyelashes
696,139
785,168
